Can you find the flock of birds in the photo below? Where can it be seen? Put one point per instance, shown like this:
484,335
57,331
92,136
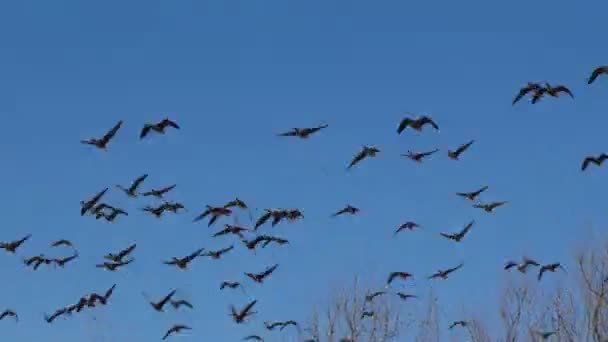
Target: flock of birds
113,261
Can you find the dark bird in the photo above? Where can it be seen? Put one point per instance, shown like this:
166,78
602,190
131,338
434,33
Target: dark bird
88,205
229,284
349,209
158,127
489,207
176,329
156,211
9,313
272,325
131,191
407,226
240,316
367,313
121,254
460,235
182,263
455,154
530,87
370,297
472,195
288,323
597,72
538,94
103,142
394,275
277,240
158,193
231,229
302,132
510,264
545,334
366,151
108,293
113,266
419,156
236,203
550,268
405,296
215,213
173,207
62,261
595,160
111,217
37,261
526,262
12,246
268,213
62,242
443,274
550,90
158,306
218,254
417,123
457,323
259,277
253,338
51,318
182,302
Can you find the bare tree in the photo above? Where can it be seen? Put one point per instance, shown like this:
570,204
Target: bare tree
350,317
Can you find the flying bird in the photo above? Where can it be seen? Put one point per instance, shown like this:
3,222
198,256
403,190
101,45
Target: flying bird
158,127
103,142
88,205
302,133
253,338
549,268
530,87
545,334
550,90
416,123
182,263
131,191
443,274
232,229
419,156
366,151
595,160
370,297
62,242
472,195
455,154
9,313
215,213
259,277
176,329
457,323
37,261
229,284
460,235
158,193
218,254
62,261
349,209
12,246
158,306
236,203
51,318
394,275
597,72
489,207
121,254
182,302
240,316
405,296
407,226
111,217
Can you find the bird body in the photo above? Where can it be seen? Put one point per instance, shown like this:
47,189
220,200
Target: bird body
102,143
419,156
472,195
349,209
158,127
416,123
302,133
131,191
460,235
489,207
443,274
366,152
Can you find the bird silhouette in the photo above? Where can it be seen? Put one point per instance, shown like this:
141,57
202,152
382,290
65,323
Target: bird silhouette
472,195
182,302
530,87
121,254
370,297
253,338
595,160
416,123
400,275
601,70
407,226
12,246
215,213
159,193
89,204
456,154
489,207
405,296
236,203
131,191
9,313
419,156
366,151
183,262
549,268
302,133
158,306
52,317
113,266
63,242
349,209
175,329
232,229
103,142
460,235
229,284
158,127
458,323
443,274
259,277
62,261
240,316
218,254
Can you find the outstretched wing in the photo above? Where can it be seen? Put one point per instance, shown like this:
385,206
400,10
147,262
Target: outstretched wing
428,120
464,147
563,89
450,270
403,124
167,122
597,72
358,157
145,130
292,133
467,227
112,132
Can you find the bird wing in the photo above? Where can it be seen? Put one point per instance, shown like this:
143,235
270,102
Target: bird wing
427,120
450,270
426,154
449,236
403,124
292,133
137,182
248,307
112,132
467,227
167,122
464,147
145,130
598,71
563,89
357,158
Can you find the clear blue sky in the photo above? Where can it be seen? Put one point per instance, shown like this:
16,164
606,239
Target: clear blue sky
234,73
